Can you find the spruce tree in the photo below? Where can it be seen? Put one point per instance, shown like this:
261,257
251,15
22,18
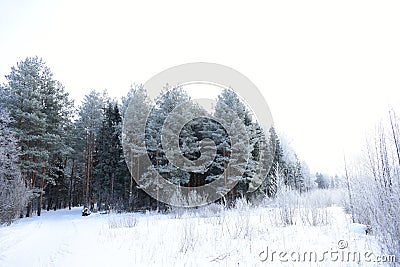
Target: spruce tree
278,165
111,175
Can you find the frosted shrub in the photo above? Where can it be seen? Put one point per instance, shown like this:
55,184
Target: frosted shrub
184,199
319,216
374,187
287,204
313,209
13,197
318,202
242,204
189,236
238,226
380,211
13,193
122,222
177,212
310,208
211,210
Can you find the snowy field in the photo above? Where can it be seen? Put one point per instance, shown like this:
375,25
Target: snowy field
243,236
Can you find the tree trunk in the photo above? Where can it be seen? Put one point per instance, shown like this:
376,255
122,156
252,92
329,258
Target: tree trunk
28,209
112,191
70,185
39,210
349,192
74,195
89,167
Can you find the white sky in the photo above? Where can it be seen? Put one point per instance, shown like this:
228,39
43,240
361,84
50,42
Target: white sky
328,70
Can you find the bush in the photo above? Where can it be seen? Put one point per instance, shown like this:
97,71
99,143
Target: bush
122,221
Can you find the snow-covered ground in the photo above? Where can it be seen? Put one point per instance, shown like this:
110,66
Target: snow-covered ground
244,236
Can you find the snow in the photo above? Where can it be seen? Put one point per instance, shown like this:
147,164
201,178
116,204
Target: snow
201,237
358,228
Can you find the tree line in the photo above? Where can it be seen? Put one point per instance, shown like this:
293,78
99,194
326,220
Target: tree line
54,155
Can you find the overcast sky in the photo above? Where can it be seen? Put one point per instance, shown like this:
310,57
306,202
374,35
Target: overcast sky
328,70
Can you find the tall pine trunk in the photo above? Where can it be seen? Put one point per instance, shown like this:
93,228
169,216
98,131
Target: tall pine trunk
39,208
70,185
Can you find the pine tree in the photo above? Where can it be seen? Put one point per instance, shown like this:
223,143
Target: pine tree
216,132
169,99
76,165
88,126
39,108
236,119
260,161
59,111
135,108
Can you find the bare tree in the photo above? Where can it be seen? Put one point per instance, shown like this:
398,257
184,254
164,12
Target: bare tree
376,186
